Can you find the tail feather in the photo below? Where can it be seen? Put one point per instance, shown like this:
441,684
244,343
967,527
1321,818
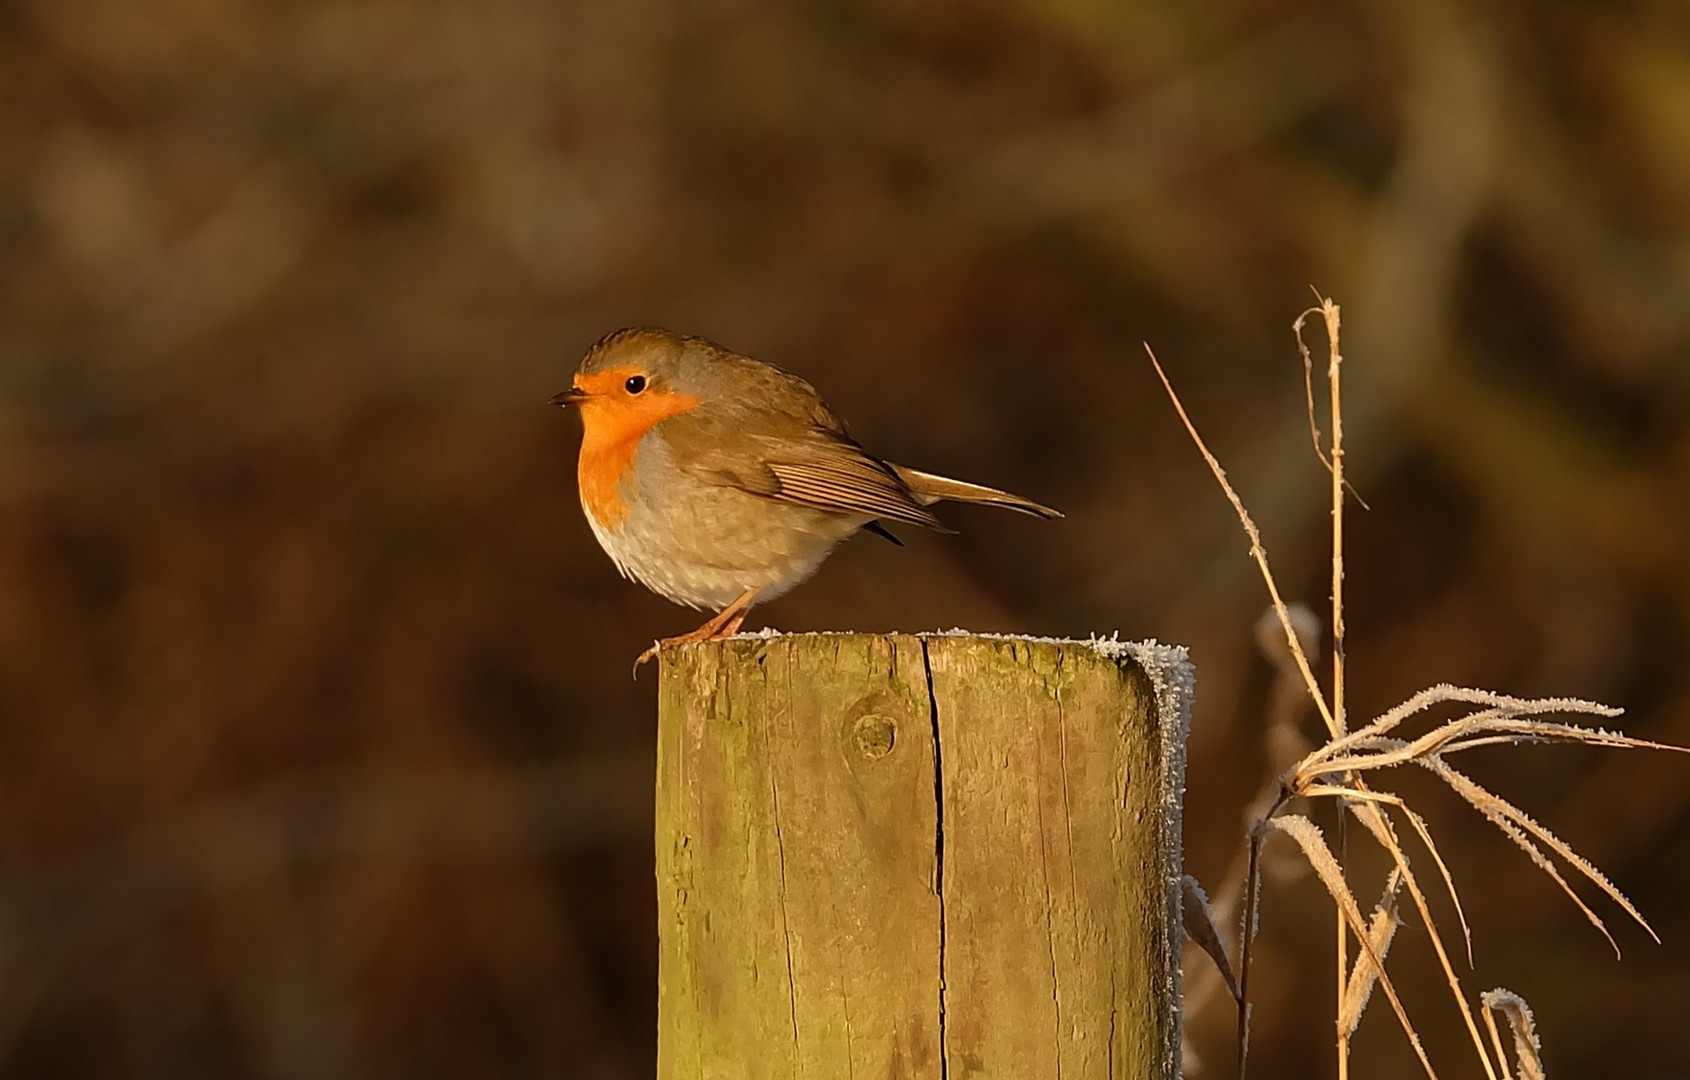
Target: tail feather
929,489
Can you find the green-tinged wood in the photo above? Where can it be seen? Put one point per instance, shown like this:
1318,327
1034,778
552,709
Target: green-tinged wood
918,857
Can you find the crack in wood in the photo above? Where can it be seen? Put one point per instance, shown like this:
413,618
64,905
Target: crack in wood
938,851
785,922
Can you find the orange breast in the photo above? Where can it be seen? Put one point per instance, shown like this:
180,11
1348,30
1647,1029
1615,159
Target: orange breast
614,423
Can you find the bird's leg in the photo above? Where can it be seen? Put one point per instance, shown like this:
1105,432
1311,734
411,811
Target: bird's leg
724,623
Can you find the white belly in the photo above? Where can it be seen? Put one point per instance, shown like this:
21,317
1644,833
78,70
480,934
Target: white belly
703,545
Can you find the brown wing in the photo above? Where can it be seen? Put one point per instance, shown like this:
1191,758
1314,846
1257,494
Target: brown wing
782,442
841,477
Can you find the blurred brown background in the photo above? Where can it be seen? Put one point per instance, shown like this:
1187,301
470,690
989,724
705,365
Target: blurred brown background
318,754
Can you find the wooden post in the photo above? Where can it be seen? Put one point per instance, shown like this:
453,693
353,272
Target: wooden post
920,857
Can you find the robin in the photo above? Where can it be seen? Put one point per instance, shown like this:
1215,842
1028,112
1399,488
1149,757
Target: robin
718,481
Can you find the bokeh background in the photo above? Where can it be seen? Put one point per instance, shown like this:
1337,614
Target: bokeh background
318,752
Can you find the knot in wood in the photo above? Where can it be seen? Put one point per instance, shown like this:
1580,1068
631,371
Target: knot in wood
875,735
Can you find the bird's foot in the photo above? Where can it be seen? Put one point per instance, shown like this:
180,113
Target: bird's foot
725,624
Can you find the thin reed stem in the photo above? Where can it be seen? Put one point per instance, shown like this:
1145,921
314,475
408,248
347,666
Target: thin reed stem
1252,889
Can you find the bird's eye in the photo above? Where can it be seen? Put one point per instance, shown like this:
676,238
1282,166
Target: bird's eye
635,384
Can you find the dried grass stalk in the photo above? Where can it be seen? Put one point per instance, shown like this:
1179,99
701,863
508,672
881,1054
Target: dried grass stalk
1308,837
1200,927
1338,771
1527,1049
1381,931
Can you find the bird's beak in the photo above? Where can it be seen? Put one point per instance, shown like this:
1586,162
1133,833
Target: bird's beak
573,396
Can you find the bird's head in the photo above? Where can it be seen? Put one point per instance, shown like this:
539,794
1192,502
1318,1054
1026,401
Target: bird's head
631,380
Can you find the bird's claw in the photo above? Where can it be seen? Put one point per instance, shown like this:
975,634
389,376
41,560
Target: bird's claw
724,625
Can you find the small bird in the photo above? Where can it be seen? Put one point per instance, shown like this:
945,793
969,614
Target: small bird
717,481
